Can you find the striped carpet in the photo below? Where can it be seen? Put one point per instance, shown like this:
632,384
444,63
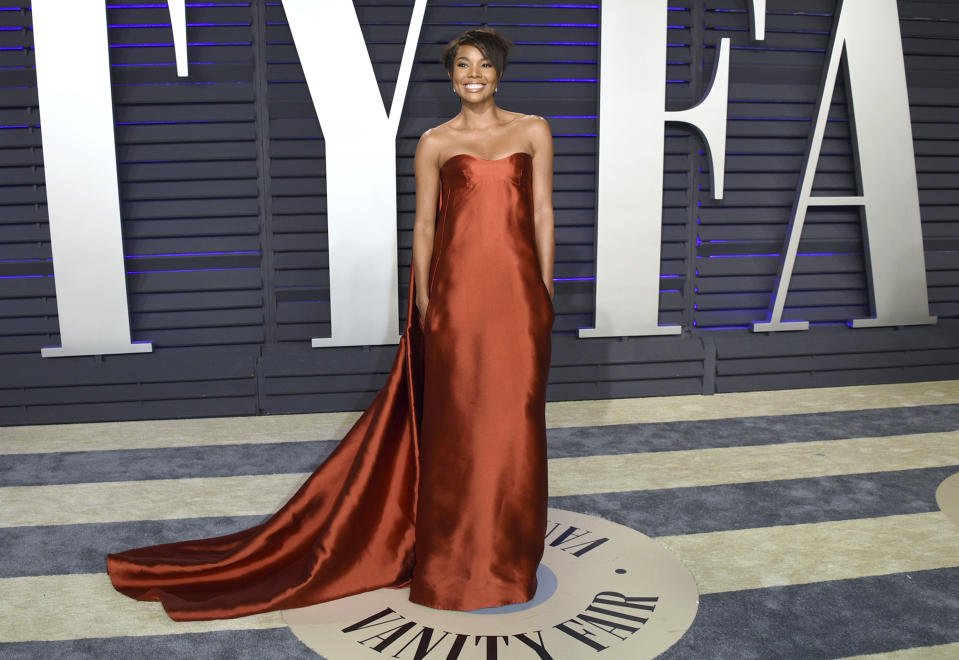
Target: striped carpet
808,517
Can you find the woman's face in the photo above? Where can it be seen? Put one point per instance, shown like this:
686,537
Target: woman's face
474,76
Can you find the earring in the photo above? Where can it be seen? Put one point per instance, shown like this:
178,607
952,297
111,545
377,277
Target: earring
496,89
454,90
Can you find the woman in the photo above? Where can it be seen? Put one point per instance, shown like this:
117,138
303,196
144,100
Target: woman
440,485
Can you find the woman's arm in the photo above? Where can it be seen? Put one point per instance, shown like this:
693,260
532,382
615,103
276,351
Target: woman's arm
426,170
541,138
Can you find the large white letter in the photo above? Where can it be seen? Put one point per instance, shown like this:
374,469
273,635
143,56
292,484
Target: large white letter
868,31
758,19
79,161
360,165
632,112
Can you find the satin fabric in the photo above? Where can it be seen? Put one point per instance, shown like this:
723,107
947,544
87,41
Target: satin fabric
440,485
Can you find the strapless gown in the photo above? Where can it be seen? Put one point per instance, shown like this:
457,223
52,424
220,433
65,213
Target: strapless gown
440,485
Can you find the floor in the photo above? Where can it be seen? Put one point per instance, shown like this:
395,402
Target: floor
808,518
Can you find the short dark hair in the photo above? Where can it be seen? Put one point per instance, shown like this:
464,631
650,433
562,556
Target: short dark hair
488,41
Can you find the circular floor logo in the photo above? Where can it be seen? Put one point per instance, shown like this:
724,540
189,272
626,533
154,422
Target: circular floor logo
603,588
947,496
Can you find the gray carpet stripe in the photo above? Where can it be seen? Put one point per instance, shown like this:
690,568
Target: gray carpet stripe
678,511
69,549
826,619
172,463
750,431
275,644
298,457
65,549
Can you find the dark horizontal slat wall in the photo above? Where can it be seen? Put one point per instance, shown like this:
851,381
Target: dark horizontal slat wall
26,293
188,173
222,179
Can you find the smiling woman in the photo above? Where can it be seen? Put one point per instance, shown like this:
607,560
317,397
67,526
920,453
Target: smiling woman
483,264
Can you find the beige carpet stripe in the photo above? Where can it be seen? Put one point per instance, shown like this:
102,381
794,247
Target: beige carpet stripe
261,494
162,499
939,652
800,554
749,404
560,414
164,433
83,606
712,467
59,607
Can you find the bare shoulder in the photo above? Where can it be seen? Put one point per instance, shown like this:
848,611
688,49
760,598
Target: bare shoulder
430,144
536,126
538,132
431,137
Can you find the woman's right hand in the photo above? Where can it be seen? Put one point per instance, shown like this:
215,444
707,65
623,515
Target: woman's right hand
421,306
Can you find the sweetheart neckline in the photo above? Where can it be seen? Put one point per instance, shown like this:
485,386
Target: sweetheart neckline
488,160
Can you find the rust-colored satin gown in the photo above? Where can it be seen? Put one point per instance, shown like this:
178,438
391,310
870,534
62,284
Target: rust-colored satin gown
440,485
